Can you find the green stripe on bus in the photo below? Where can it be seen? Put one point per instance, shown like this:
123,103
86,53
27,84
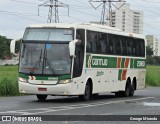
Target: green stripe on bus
132,63
23,76
122,62
93,61
63,77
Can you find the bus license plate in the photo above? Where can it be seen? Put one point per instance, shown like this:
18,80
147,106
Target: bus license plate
42,89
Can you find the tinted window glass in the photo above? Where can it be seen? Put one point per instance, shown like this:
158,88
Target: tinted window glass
111,44
118,46
79,53
103,43
124,46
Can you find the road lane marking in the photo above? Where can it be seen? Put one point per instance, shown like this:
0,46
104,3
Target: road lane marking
151,104
95,104
70,107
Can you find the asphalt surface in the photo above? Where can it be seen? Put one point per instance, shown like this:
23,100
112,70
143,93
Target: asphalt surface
145,102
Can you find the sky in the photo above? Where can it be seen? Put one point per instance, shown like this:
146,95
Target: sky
16,15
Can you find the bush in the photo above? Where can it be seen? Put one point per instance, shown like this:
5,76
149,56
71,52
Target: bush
8,87
153,76
8,80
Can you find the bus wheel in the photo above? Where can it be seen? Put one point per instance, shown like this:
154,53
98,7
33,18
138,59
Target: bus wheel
87,94
95,95
41,98
117,94
132,89
127,89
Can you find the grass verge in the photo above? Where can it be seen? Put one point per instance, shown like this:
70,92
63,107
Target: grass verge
9,80
153,76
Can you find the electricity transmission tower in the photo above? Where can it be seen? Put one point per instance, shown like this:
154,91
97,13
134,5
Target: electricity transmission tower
53,5
103,3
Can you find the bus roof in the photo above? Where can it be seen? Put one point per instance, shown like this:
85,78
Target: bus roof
88,26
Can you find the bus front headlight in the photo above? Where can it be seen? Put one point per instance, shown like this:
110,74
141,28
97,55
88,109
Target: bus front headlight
64,81
23,80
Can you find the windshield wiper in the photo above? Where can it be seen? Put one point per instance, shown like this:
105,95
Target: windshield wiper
36,63
47,61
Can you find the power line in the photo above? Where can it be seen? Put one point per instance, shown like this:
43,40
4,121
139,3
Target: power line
18,15
150,1
85,13
24,2
81,2
152,12
76,19
75,7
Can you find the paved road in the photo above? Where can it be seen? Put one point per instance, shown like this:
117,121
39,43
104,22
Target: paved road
145,102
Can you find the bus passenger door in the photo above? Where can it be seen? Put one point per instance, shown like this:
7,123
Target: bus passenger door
78,61
79,54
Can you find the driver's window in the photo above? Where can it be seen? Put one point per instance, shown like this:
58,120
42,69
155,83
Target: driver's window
79,53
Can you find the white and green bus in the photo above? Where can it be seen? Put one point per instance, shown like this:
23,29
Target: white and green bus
80,60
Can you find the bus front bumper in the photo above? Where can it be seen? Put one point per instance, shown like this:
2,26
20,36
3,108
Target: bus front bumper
58,89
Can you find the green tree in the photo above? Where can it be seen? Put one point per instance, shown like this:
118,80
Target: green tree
151,60
4,47
149,51
17,46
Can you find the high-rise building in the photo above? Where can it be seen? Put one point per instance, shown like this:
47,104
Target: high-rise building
126,19
154,44
150,40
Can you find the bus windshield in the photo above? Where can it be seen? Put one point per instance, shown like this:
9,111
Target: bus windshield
47,59
49,56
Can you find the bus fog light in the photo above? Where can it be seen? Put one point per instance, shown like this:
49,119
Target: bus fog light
65,93
64,81
23,91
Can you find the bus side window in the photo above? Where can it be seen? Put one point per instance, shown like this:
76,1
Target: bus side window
111,45
94,48
89,46
118,49
107,43
89,42
143,44
142,48
129,49
134,48
137,48
97,41
124,47
102,44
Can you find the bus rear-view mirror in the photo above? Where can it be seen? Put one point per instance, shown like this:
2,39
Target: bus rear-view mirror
72,46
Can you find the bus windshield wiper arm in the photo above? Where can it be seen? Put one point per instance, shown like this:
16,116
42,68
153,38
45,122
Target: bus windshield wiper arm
37,62
46,60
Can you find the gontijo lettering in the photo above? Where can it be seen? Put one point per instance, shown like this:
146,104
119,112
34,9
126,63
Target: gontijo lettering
100,62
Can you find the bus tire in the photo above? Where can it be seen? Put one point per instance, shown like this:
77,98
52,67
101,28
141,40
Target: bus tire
95,95
126,93
117,94
41,98
131,93
88,93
